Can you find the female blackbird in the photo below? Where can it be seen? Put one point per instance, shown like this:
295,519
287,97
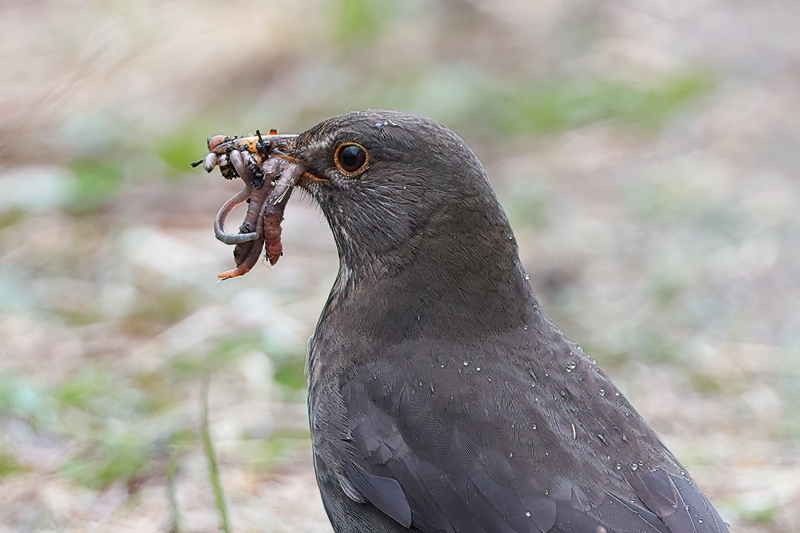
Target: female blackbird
441,398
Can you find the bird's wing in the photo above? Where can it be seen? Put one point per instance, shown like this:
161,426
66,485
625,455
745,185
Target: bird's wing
677,501
434,462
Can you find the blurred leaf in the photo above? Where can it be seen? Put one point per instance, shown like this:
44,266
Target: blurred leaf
610,360
672,197
236,344
118,457
158,308
223,353
666,282
712,384
21,398
99,396
96,182
760,514
9,217
291,373
788,386
526,204
666,291
652,344
180,150
84,389
80,317
264,453
9,465
465,97
556,105
183,438
358,22
158,390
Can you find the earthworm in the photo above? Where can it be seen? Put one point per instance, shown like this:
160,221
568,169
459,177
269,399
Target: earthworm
247,262
270,168
246,253
271,218
267,188
235,157
219,221
272,211
224,211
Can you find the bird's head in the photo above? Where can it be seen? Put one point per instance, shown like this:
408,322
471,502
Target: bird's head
395,186
419,230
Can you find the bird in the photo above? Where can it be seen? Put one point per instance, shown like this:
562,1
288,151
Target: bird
441,397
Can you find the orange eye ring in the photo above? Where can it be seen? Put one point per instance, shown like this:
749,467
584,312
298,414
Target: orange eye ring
351,158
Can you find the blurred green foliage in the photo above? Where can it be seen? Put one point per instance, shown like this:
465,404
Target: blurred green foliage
101,410
89,390
788,384
21,398
263,453
291,373
219,354
760,514
96,183
9,217
9,465
156,308
525,204
358,22
467,98
114,456
555,105
177,151
181,147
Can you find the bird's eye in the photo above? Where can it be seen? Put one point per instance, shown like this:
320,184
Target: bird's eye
350,158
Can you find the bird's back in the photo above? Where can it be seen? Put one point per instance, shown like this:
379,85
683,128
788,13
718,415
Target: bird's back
520,432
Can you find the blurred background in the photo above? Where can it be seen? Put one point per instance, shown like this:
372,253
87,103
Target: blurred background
647,153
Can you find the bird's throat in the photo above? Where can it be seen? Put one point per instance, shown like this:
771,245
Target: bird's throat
437,285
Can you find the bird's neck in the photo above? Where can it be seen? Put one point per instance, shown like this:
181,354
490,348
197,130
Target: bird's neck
458,277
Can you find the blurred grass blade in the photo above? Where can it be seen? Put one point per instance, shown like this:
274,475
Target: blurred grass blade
172,497
213,465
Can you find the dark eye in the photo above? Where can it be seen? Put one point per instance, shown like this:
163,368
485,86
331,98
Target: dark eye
351,157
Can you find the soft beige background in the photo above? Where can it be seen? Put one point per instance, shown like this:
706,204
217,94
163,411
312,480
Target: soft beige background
646,151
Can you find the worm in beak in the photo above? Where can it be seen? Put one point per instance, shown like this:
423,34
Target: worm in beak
268,183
